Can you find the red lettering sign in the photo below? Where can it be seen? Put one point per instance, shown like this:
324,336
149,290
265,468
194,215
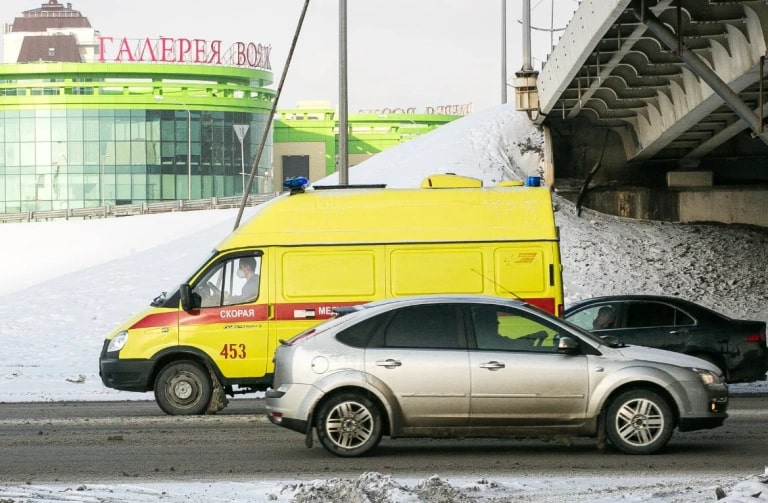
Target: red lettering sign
215,57
102,41
200,47
185,45
125,51
147,52
166,49
183,50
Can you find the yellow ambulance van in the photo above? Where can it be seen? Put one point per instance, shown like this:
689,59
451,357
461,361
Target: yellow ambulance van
303,254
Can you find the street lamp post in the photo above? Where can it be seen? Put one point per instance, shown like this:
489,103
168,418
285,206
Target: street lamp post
189,141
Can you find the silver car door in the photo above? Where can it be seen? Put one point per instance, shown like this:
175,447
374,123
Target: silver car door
521,380
421,361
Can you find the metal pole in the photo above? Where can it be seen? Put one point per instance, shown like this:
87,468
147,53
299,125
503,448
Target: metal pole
343,122
552,27
503,51
189,153
527,67
242,164
268,128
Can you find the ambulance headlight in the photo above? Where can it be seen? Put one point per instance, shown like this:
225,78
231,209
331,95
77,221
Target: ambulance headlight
117,342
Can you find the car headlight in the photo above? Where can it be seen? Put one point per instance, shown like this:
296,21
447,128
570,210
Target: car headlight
708,377
117,342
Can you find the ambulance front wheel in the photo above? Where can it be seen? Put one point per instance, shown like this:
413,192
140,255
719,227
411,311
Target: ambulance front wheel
183,388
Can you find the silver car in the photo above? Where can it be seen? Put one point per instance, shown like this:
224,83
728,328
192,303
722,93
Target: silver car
464,366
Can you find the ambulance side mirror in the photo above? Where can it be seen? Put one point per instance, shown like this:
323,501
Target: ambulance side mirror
189,300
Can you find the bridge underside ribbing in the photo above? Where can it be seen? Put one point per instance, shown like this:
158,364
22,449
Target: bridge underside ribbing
662,85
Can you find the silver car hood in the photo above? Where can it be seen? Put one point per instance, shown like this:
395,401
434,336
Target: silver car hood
664,356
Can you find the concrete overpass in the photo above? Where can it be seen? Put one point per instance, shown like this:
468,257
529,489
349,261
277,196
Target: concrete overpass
658,107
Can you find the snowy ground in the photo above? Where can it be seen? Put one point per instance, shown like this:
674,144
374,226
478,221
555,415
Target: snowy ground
372,487
65,285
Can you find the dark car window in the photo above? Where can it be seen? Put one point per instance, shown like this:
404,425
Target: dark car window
426,326
683,319
359,334
601,316
649,314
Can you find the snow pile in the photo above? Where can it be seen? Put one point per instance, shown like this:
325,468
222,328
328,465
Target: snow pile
719,266
373,487
494,145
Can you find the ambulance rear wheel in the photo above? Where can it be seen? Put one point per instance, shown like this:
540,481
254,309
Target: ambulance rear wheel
183,388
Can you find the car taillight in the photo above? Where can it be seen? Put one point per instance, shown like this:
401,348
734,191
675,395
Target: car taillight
298,338
756,337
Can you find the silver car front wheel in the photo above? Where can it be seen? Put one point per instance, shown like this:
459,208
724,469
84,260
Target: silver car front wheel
349,425
639,422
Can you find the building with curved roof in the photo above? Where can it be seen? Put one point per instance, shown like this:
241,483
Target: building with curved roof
88,120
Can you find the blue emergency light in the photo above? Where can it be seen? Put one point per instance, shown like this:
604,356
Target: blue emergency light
295,183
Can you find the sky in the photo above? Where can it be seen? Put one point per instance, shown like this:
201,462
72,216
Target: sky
68,284
400,53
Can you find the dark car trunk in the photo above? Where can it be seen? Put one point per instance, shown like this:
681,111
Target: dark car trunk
748,352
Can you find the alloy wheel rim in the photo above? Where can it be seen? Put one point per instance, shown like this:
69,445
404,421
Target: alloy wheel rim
349,425
639,422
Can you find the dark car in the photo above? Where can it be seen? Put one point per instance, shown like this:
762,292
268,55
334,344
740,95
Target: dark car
738,347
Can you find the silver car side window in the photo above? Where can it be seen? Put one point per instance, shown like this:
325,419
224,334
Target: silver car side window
498,329
425,326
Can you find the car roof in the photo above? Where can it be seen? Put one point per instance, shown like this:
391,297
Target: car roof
677,301
432,298
393,302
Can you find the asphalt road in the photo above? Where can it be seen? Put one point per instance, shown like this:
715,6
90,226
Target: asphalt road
120,441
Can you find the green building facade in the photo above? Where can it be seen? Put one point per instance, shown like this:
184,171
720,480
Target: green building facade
306,138
78,135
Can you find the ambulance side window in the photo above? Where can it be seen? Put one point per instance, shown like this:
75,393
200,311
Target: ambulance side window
232,281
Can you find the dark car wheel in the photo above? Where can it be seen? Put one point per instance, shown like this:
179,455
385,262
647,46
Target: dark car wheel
349,425
183,389
639,422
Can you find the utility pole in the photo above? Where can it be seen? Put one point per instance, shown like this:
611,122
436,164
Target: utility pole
503,51
343,120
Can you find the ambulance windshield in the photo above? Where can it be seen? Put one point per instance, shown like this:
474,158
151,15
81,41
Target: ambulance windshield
168,293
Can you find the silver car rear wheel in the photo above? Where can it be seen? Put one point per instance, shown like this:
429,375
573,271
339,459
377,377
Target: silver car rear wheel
349,425
639,422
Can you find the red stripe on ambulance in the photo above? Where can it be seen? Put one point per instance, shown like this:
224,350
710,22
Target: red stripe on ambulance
157,320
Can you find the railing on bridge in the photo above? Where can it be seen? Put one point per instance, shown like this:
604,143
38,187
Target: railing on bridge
122,210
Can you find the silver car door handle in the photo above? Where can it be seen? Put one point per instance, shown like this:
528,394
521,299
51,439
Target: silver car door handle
674,332
388,363
492,365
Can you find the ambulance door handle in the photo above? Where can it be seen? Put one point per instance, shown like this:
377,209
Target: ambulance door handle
388,363
492,365
270,311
